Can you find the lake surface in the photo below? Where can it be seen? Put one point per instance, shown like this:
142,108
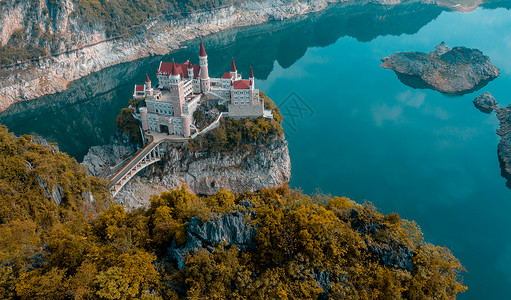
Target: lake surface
358,131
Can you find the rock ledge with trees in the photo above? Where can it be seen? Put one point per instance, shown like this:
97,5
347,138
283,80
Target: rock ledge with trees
454,71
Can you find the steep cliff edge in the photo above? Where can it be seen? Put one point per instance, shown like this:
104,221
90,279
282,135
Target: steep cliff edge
202,172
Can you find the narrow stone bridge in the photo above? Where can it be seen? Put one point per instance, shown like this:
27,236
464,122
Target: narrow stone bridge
152,153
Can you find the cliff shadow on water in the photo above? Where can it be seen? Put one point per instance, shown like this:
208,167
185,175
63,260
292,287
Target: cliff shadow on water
84,115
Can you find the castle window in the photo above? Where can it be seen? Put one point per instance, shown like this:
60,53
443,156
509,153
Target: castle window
235,102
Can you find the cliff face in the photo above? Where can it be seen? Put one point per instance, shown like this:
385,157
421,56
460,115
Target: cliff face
203,173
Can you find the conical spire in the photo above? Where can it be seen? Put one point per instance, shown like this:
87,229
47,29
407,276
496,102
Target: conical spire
202,49
147,78
174,68
251,73
233,66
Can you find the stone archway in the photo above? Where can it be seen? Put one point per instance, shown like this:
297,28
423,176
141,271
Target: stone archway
164,129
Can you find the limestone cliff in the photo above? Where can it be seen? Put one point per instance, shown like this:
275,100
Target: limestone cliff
202,172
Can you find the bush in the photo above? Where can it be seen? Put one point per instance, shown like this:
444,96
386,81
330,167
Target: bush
128,125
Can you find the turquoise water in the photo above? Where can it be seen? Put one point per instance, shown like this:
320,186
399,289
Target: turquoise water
361,133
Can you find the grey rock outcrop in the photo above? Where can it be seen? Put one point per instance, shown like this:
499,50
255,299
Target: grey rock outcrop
485,102
229,229
104,161
504,131
400,256
204,173
504,147
455,71
53,192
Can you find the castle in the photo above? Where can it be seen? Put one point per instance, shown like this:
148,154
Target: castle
170,106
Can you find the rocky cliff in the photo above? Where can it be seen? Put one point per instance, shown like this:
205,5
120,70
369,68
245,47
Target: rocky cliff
202,172
504,148
486,103
454,71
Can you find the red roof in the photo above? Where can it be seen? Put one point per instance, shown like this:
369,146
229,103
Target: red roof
227,75
251,73
242,85
139,88
233,66
147,78
202,50
174,69
182,69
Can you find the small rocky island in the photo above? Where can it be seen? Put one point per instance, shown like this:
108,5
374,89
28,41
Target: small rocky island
486,103
453,71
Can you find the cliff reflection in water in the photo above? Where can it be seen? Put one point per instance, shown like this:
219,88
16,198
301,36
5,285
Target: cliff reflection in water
84,115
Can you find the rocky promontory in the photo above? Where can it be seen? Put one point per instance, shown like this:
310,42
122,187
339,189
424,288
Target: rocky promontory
504,148
486,103
454,71
202,172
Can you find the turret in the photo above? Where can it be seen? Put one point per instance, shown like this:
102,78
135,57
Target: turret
204,73
143,116
175,77
234,72
190,70
149,90
251,79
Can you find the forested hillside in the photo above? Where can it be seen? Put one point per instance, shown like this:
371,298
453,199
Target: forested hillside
275,243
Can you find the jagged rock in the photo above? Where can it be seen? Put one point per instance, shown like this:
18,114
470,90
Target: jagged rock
104,161
504,147
440,50
363,227
55,192
485,102
40,141
400,257
206,173
323,280
457,70
229,229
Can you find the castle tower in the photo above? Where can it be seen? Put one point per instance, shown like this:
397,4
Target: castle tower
149,90
234,72
143,115
176,92
190,70
251,79
204,73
